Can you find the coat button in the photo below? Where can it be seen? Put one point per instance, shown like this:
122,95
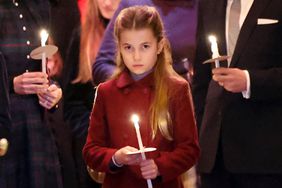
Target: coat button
145,91
125,136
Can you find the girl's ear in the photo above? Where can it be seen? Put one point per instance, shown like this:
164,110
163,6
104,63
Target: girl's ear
160,46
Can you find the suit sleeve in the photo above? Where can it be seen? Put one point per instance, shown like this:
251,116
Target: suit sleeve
266,84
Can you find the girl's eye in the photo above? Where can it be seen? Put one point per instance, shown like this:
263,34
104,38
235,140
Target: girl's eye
146,46
127,48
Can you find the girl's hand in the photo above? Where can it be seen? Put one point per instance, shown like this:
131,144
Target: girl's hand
51,97
149,169
122,158
31,83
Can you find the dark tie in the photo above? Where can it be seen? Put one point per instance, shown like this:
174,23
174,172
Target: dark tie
233,27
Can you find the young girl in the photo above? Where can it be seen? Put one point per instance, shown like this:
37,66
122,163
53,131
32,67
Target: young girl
144,84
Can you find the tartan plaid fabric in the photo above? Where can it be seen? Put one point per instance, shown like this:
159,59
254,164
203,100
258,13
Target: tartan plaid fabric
31,161
32,158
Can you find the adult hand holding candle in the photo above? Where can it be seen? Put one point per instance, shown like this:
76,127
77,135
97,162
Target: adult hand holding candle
135,120
214,49
44,36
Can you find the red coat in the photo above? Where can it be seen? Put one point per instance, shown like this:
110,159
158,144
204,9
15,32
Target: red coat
111,128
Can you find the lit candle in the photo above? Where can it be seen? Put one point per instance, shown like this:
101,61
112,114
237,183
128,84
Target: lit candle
44,36
135,120
214,49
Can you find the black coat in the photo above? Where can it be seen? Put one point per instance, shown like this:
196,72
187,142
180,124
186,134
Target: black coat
249,129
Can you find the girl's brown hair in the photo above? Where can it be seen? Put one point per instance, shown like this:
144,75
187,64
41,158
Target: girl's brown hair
140,17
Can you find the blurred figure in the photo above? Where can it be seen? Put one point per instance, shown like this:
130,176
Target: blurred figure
64,18
78,87
32,159
97,16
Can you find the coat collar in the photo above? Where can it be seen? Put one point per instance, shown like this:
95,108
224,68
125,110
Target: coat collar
125,80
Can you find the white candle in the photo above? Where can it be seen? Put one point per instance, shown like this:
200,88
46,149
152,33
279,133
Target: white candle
44,36
135,120
214,49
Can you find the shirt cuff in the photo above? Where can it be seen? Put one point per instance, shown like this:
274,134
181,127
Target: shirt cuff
115,163
114,166
247,93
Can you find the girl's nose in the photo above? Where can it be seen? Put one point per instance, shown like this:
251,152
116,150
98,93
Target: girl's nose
136,55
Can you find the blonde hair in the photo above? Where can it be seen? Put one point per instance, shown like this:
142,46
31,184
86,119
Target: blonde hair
92,31
140,17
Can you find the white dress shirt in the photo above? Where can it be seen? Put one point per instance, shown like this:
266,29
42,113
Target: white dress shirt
245,8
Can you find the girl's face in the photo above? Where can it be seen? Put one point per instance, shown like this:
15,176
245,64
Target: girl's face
139,49
108,7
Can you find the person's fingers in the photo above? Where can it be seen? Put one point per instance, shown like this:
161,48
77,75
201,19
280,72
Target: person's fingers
221,84
134,159
35,75
130,148
52,88
45,104
222,70
34,88
149,169
34,78
35,81
149,174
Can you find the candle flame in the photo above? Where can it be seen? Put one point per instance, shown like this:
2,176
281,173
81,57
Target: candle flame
135,118
44,36
214,47
212,38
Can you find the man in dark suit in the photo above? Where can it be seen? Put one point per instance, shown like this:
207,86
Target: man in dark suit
239,108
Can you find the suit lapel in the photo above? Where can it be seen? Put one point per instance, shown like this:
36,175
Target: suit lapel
248,27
